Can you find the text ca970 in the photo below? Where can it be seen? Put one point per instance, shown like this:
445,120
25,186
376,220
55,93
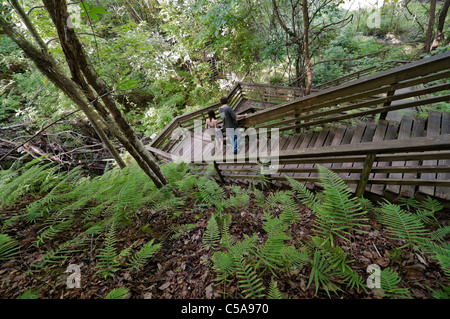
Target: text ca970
247,308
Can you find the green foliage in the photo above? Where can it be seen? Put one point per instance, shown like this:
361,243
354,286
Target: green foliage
30,294
211,237
274,292
107,263
389,284
118,293
402,225
141,257
339,214
249,280
8,247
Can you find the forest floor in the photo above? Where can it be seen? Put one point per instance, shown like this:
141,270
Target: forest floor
179,270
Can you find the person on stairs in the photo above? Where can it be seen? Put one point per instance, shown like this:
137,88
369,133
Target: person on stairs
230,123
215,131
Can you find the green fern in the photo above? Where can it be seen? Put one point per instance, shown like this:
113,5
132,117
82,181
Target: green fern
321,274
211,237
53,230
402,225
118,293
271,253
294,258
249,280
223,265
339,214
30,294
440,253
274,292
8,247
141,257
107,258
63,251
337,260
389,284
226,239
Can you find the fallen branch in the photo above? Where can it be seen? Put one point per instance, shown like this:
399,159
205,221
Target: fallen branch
37,134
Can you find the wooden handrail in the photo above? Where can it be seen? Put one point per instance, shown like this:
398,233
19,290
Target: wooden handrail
355,91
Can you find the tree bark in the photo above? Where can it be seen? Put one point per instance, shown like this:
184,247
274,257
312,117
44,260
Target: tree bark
83,71
306,47
429,33
48,67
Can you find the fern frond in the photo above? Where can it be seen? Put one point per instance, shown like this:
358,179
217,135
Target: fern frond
211,237
294,258
271,253
321,274
401,225
63,251
118,293
107,258
305,195
340,213
8,247
141,257
389,285
274,292
227,239
223,265
30,294
440,253
53,230
249,280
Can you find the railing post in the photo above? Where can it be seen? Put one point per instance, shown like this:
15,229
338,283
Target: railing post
386,104
367,168
219,174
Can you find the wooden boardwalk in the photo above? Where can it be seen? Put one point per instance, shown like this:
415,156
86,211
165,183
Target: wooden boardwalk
349,129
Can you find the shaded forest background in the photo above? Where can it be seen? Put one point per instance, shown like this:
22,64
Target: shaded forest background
63,200
165,58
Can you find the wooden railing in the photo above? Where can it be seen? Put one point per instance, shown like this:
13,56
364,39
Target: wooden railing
417,149
366,97
359,74
265,93
424,82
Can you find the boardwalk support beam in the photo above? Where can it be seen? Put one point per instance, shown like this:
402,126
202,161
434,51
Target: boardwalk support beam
367,168
219,174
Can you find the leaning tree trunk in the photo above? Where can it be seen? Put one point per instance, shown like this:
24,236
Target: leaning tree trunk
48,66
429,33
83,71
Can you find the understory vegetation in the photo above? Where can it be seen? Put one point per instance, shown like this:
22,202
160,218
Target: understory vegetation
196,238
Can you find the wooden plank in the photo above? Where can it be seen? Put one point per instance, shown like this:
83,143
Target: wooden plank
404,133
444,192
391,134
417,131
308,140
366,138
319,143
383,181
356,139
346,139
433,129
378,136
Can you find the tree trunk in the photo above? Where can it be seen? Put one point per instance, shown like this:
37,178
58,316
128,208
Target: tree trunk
28,50
83,71
429,33
48,66
306,47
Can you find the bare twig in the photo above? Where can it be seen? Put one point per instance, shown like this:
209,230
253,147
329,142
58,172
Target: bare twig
37,134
